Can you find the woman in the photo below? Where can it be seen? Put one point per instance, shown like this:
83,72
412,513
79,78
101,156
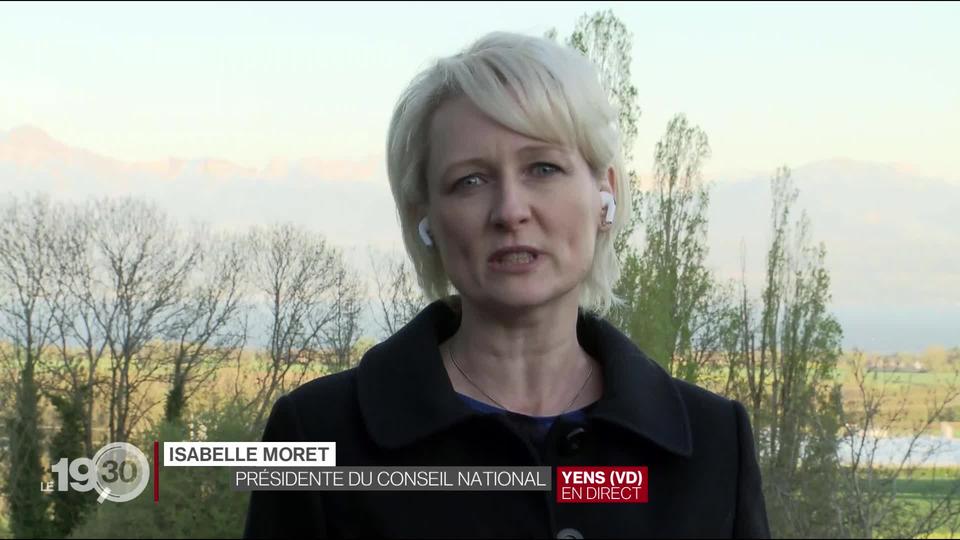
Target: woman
505,166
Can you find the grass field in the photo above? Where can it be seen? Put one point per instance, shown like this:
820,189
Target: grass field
925,489
908,399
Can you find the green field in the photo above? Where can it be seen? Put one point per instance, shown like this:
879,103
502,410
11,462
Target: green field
925,489
908,400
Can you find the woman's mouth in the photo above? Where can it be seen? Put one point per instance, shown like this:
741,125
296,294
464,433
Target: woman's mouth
515,261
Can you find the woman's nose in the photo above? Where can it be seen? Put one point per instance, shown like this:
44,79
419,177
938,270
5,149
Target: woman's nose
511,205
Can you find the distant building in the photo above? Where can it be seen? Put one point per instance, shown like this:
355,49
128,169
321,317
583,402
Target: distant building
895,364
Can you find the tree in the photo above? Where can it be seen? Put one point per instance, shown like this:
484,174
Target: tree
677,310
873,504
782,365
206,330
132,295
73,376
30,288
295,274
605,40
70,386
69,507
399,298
195,502
341,336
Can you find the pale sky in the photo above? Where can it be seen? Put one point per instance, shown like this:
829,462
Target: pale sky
247,83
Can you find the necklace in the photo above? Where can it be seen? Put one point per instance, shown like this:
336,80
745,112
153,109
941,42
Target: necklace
488,396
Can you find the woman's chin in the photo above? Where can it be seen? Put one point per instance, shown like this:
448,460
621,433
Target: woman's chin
520,298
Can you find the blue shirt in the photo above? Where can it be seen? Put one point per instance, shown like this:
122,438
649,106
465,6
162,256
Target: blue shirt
535,428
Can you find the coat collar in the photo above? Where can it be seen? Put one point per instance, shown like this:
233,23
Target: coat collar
405,394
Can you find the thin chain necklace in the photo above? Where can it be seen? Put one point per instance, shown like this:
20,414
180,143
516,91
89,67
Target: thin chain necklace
488,396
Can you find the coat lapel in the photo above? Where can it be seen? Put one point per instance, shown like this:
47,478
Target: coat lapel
405,394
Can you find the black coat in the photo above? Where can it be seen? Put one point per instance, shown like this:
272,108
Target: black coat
398,408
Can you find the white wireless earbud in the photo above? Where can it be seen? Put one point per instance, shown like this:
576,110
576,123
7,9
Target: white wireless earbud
611,205
424,229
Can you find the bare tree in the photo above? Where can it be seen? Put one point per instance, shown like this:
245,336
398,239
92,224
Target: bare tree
207,329
132,295
399,298
876,462
83,342
30,285
295,274
341,336
739,345
30,288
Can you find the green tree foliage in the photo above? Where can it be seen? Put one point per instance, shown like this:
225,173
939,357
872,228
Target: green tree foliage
672,306
675,310
195,502
28,506
605,40
784,369
69,507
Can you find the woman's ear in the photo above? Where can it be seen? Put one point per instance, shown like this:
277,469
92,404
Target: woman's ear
608,186
609,180
416,212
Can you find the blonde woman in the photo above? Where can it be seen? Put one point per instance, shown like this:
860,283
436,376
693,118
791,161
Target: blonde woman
505,165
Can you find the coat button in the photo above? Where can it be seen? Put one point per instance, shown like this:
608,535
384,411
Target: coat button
569,533
572,443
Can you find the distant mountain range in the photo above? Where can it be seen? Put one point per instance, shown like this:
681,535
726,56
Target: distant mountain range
892,237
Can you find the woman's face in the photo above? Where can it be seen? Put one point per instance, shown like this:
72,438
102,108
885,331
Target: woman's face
492,188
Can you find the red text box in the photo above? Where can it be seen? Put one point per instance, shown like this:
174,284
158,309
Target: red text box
626,484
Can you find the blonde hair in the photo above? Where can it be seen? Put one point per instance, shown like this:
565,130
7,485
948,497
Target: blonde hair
534,87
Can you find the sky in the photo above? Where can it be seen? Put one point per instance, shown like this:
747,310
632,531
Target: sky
255,82
837,91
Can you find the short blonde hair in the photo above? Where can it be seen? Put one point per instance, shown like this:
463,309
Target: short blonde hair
535,87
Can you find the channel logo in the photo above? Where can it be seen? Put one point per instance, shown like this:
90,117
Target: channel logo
118,472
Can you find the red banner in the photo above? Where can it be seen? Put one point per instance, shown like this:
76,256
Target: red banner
601,484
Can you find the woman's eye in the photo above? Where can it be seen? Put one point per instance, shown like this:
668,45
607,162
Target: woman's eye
471,180
545,169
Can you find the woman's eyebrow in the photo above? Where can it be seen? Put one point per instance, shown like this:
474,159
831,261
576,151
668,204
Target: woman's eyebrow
473,162
530,149
541,147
